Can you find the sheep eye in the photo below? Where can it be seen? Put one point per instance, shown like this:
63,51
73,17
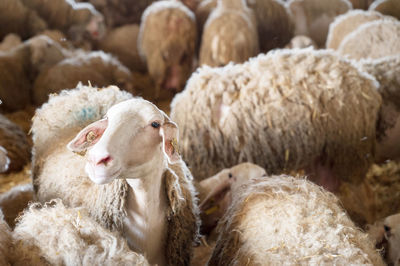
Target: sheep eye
155,124
230,175
387,228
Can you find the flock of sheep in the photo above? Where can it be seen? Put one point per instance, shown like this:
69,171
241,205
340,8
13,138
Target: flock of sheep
280,144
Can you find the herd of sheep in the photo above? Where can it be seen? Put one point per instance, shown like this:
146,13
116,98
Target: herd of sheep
279,144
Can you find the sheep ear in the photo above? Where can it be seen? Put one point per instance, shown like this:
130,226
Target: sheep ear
170,135
88,136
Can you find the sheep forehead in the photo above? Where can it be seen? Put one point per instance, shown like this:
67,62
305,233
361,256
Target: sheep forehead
138,110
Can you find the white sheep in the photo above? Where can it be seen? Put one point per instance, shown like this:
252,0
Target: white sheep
55,235
287,110
347,23
312,17
374,39
230,34
279,220
149,196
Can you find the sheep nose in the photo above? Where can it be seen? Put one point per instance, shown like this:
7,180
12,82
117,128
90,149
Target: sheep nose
98,160
104,160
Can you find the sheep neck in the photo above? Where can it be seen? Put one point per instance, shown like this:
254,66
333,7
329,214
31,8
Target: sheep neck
145,223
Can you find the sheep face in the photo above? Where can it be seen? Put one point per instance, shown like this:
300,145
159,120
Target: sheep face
126,141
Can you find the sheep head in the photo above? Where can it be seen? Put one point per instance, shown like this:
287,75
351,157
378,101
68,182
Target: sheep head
126,141
217,192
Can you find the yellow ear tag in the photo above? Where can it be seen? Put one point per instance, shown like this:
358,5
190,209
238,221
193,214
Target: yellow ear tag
174,143
211,210
91,136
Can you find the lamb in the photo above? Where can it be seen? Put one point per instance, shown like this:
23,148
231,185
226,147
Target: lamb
275,27
230,34
15,201
15,17
20,66
347,23
16,151
5,241
121,42
312,17
374,39
167,41
386,235
316,230
52,234
98,68
269,111
387,7
159,178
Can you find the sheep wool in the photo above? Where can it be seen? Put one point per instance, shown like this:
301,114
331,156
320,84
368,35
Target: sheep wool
96,68
312,17
301,41
281,111
15,142
16,18
347,23
52,234
167,42
14,201
230,34
315,231
20,66
275,27
122,42
374,39
386,70
5,241
387,7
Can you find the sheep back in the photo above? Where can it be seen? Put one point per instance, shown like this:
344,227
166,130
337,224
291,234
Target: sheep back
284,220
280,111
372,40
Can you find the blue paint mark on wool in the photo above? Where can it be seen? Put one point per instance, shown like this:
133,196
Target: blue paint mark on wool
85,114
